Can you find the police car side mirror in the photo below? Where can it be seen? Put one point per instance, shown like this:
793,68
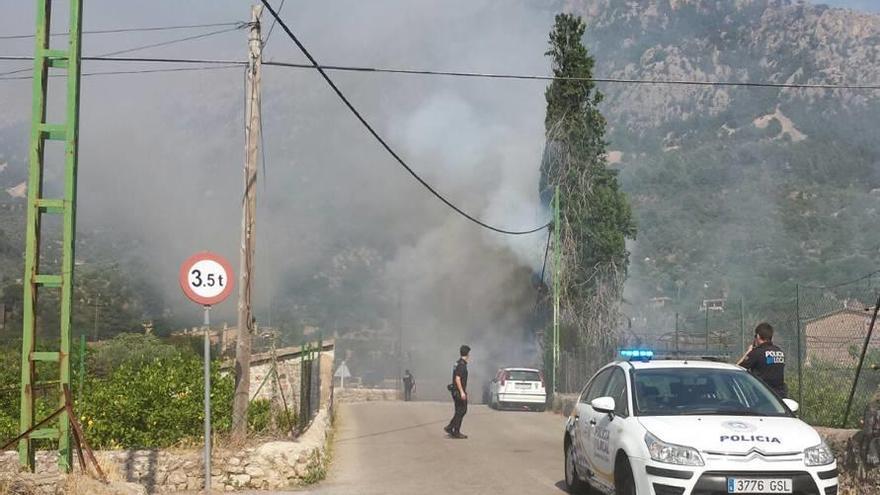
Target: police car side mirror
792,404
603,404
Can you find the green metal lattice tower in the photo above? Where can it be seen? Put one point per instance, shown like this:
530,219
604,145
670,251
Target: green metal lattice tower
66,63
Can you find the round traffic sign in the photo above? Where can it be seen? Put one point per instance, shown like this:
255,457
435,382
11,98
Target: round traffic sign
206,278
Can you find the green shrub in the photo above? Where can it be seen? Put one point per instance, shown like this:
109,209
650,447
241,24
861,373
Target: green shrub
132,349
260,415
156,405
826,391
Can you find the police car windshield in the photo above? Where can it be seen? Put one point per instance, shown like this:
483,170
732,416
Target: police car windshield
695,391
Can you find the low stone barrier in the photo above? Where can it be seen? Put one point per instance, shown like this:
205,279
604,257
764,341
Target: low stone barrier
267,466
365,394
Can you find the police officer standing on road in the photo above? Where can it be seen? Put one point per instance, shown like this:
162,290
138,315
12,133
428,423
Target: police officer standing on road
765,360
409,384
458,388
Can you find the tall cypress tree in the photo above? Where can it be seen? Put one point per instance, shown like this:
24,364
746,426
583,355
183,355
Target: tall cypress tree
596,219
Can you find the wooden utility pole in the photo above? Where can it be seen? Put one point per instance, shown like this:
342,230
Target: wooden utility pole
248,231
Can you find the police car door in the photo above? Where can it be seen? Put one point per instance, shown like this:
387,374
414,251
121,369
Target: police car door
609,427
585,421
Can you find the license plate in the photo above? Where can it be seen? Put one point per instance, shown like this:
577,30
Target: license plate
758,485
523,385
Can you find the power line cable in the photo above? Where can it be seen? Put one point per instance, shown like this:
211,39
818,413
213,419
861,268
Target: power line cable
489,75
546,252
151,45
384,144
841,284
138,71
274,20
175,41
127,30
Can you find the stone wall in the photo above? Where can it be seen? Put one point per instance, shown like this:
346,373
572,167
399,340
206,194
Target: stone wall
364,394
289,364
270,465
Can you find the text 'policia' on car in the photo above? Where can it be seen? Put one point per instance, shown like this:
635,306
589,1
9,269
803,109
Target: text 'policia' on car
643,426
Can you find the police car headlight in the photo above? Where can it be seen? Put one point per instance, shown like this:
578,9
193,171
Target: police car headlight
819,455
672,454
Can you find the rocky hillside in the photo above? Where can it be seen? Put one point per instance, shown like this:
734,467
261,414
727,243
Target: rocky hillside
742,190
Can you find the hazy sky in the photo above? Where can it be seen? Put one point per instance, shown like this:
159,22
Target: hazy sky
161,154
866,5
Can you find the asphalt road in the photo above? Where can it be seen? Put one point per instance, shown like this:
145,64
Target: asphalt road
399,448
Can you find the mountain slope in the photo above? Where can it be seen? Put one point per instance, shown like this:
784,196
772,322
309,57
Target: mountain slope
742,191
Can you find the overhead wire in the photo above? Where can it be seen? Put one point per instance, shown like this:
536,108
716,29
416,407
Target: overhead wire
127,30
174,41
136,71
546,253
382,141
536,77
272,27
489,75
237,26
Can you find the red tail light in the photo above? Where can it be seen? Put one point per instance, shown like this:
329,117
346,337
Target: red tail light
503,377
541,374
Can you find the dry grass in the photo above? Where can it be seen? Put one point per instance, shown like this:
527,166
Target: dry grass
14,484
81,484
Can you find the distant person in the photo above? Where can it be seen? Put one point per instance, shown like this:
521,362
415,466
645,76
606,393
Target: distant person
458,389
765,360
409,385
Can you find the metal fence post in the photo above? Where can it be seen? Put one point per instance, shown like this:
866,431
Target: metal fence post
707,328
676,335
800,360
82,365
742,324
852,391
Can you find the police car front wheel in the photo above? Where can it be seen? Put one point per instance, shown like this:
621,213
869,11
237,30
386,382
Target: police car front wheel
572,483
624,482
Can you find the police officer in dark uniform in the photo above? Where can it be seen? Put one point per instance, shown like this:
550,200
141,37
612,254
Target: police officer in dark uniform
765,360
409,384
458,388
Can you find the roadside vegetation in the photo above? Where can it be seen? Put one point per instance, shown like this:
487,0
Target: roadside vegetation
595,215
138,392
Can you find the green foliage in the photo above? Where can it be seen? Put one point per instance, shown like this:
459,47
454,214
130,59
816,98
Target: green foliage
596,212
131,350
259,415
596,219
156,405
827,387
316,469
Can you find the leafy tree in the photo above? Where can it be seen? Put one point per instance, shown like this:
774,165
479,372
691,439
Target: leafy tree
155,405
596,219
132,350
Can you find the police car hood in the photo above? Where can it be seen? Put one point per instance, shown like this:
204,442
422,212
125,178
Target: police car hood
733,434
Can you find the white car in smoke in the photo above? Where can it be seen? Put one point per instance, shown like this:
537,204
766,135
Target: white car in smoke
663,427
518,388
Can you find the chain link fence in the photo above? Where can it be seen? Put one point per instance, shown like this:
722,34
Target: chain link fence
833,324
832,365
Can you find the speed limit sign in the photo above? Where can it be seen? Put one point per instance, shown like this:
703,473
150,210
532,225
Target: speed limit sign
206,278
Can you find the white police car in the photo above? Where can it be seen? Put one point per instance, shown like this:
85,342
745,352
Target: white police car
664,427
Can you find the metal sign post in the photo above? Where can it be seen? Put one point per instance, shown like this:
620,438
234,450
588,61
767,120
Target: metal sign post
207,398
207,279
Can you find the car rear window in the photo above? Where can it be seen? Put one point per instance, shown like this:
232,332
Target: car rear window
523,376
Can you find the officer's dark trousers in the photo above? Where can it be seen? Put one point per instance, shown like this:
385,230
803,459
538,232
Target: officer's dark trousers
407,393
460,411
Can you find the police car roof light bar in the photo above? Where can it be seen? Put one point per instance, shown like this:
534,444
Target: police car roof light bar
691,354
639,354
